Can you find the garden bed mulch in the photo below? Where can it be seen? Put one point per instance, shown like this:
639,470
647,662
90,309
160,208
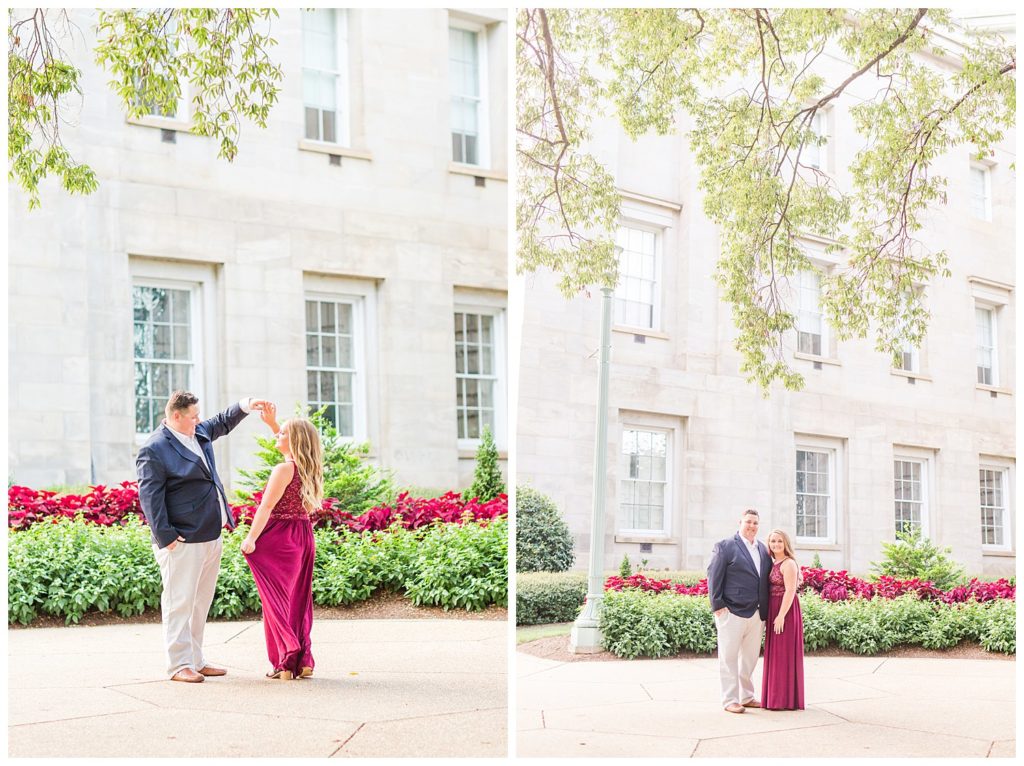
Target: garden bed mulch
384,606
557,648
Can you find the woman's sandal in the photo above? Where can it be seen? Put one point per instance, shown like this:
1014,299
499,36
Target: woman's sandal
283,675
305,672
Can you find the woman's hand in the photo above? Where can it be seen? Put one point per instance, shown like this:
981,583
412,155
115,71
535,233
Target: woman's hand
269,415
248,545
779,623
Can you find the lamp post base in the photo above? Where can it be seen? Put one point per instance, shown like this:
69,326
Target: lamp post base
585,637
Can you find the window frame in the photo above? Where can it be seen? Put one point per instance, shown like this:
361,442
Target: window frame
993,312
656,307
821,116
1004,471
483,106
469,305
343,117
197,375
825,335
360,373
986,171
831,450
926,460
669,495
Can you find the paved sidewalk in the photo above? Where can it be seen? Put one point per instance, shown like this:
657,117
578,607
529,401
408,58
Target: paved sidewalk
382,687
856,706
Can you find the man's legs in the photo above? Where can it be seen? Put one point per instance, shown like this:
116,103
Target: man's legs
750,647
730,634
206,585
179,572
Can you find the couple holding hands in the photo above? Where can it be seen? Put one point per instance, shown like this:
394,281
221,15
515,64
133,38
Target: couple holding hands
186,507
750,584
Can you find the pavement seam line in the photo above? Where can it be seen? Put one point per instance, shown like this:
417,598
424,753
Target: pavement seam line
232,638
903,728
777,731
72,718
349,739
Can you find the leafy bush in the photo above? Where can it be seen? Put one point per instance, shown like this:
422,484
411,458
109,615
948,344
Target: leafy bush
355,485
487,481
461,567
913,556
644,623
545,597
543,541
69,567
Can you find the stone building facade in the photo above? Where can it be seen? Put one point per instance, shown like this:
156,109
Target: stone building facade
862,449
354,254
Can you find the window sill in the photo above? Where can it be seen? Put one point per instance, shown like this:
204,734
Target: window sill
822,359
164,123
996,389
911,374
640,538
337,150
647,333
810,545
466,453
460,168
996,553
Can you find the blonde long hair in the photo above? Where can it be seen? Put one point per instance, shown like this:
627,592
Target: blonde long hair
308,454
787,549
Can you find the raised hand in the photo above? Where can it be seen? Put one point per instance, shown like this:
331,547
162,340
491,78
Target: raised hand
268,412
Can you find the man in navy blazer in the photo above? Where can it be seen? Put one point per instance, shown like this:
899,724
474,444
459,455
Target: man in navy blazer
738,589
186,507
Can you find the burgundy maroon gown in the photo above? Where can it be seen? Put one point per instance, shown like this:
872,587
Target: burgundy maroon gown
282,566
782,685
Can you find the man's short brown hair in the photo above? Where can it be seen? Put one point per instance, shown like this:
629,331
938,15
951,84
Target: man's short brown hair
180,400
751,512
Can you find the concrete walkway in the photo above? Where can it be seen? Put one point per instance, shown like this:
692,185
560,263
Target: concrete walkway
856,706
382,688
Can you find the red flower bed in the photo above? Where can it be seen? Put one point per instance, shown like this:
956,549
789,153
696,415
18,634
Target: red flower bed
839,585
112,506
410,512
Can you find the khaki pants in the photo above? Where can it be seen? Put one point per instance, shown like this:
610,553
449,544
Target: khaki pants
189,574
739,643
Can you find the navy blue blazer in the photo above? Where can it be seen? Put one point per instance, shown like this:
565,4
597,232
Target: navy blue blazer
733,581
178,494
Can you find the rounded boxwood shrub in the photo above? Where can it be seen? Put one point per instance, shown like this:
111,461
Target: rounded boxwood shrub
545,597
543,541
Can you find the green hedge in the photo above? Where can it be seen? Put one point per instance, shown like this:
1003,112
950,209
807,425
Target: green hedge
69,568
643,624
543,597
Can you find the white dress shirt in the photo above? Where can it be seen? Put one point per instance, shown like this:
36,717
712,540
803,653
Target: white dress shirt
754,552
192,444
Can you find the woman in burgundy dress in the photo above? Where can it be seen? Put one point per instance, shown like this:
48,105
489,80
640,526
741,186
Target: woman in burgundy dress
782,685
282,562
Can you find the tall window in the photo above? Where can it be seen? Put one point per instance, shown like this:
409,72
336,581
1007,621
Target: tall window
810,322
636,296
152,108
985,335
981,192
476,373
910,357
331,361
644,486
992,483
910,492
814,155
164,349
465,67
815,494
324,51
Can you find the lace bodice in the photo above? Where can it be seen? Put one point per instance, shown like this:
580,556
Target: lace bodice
776,581
290,505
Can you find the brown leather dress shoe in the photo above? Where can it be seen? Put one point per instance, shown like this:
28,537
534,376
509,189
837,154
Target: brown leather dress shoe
188,675
752,703
734,708
209,670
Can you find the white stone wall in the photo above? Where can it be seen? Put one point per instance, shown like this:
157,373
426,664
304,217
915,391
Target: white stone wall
401,225
735,449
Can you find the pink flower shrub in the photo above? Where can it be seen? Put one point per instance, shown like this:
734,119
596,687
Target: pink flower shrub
839,585
111,506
